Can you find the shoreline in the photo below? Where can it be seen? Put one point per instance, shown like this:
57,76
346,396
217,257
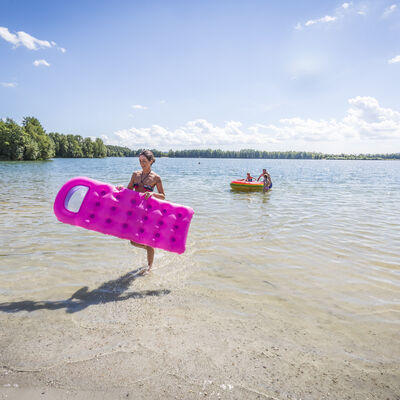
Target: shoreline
185,345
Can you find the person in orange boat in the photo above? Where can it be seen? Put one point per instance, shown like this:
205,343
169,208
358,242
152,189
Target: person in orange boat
249,178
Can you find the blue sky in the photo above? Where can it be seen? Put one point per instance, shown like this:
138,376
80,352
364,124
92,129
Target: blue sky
271,75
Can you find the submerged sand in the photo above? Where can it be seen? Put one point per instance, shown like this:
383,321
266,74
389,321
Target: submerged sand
151,338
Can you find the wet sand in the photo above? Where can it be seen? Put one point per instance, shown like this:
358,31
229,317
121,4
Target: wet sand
151,338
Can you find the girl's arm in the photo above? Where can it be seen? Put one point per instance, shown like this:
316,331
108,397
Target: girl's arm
160,195
132,181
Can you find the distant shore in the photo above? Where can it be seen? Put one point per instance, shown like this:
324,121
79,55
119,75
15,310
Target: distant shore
240,156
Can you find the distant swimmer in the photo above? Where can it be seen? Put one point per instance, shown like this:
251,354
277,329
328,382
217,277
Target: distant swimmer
266,179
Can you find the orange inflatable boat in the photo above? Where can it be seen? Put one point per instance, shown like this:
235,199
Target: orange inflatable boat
247,186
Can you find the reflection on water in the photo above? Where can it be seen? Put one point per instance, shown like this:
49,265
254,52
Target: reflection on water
325,238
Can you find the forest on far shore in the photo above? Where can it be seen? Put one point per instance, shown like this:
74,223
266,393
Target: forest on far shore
118,151
29,141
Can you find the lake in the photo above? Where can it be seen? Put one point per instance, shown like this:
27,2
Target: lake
319,253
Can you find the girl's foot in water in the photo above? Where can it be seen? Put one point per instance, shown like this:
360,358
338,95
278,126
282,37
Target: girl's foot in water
145,270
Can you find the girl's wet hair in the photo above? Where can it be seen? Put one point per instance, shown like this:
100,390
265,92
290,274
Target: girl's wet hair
149,155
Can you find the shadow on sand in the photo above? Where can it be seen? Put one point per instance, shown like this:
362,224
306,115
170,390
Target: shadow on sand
82,298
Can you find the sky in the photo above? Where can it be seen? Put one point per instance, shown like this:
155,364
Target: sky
273,75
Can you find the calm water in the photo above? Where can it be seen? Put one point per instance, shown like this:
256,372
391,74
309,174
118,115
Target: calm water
326,238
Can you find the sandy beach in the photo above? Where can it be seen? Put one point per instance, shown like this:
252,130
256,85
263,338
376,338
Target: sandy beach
164,341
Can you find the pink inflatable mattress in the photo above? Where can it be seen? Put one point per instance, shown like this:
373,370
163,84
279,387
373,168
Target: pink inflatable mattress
125,214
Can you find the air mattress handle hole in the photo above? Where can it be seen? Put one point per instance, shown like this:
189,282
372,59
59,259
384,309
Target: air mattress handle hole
74,198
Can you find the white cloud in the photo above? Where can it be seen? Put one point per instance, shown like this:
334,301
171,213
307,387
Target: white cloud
197,133
62,49
139,107
298,26
8,84
365,120
24,39
394,60
340,12
311,22
325,19
389,10
36,63
371,120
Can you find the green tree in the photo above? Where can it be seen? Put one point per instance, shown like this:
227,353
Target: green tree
37,134
31,151
100,150
64,146
74,147
88,148
12,140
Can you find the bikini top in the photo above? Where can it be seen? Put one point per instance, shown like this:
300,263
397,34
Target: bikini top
147,188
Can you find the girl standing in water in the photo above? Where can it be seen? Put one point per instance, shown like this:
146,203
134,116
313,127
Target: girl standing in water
145,181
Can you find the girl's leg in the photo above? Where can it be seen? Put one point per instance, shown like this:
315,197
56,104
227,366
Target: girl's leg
150,256
150,253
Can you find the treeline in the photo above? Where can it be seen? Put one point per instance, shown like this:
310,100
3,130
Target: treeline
31,142
26,142
298,155
75,146
117,151
245,153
